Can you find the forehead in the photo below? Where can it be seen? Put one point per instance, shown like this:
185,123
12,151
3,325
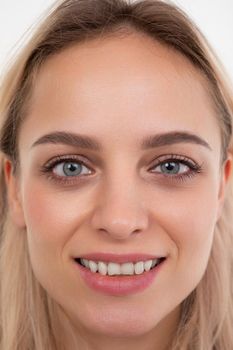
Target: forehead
120,83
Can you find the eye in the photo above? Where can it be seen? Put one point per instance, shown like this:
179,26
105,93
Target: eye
171,167
67,169
70,168
176,167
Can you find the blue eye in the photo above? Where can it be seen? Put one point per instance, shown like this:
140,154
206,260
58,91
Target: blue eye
70,168
176,167
173,168
66,169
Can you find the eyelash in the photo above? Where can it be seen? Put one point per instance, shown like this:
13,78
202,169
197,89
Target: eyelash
194,168
47,169
173,158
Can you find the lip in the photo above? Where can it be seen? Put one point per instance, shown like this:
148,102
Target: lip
119,258
118,285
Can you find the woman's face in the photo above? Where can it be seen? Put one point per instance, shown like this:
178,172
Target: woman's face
129,196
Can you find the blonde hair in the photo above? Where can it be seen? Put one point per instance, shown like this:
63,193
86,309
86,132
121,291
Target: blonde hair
29,318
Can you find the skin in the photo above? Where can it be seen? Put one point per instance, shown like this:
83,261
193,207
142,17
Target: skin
119,90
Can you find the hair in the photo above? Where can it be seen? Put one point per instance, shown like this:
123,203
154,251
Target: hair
29,318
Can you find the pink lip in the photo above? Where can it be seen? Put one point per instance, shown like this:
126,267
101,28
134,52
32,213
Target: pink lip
118,285
119,258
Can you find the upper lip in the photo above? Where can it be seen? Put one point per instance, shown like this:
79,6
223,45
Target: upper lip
119,258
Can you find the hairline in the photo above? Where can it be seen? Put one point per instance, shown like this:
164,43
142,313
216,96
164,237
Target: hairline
123,28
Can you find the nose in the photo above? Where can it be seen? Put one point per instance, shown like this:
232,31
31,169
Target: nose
120,211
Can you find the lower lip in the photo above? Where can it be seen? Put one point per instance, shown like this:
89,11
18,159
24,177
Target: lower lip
118,285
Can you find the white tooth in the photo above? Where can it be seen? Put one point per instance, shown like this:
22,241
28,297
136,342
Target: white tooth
102,268
139,267
127,269
85,262
147,265
155,261
114,269
93,266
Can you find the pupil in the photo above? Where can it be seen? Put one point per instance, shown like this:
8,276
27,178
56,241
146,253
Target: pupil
71,169
171,167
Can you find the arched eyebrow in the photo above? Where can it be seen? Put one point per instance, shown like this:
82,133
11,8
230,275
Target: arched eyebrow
91,143
70,139
171,138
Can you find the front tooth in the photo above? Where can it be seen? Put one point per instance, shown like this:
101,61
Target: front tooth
102,268
148,264
114,269
127,269
139,267
93,266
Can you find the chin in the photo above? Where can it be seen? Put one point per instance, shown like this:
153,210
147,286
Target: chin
118,323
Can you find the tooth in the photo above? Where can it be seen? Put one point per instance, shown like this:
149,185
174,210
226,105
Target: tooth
148,264
114,269
85,262
93,266
127,269
155,261
139,267
102,268
111,268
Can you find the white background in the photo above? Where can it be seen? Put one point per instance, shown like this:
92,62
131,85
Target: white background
214,18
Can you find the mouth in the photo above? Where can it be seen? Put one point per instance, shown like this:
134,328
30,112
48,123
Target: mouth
124,275
120,269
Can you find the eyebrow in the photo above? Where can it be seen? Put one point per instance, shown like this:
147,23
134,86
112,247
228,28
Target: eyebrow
90,143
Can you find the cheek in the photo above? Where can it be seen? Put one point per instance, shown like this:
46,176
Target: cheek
51,217
189,220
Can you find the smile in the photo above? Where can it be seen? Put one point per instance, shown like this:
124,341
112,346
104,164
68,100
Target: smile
112,268
105,277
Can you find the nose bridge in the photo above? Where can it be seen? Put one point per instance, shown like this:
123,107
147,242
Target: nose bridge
120,210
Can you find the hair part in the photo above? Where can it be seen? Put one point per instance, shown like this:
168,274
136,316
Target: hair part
32,322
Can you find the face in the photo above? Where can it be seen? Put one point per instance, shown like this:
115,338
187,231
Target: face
125,196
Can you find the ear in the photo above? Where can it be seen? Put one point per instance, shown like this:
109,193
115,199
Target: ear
224,181
13,195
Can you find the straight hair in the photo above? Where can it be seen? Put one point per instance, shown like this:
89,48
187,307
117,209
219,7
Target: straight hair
29,318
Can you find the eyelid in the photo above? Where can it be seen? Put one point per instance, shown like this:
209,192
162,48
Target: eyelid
47,169
169,157
84,159
194,169
59,159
